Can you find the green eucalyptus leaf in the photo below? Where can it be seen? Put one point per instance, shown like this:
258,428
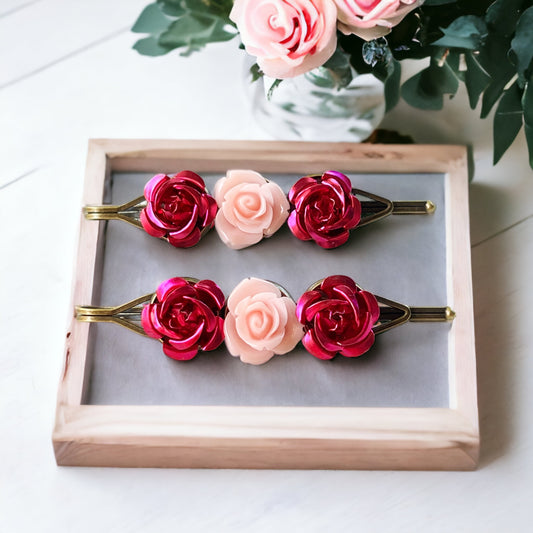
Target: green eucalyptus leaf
392,85
502,16
467,32
427,88
507,120
151,20
256,72
174,8
273,88
195,30
150,47
522,44
476,79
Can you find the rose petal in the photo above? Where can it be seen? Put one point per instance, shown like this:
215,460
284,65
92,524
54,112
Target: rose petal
186,242
214,339
211,294
147,323
168,286
149,225
191,178
238,348
153,184
307,299
301,185
179,355
314,348
296,228
233,237
293,329
360,348
233,178
280,207
248,287
187,342
340,178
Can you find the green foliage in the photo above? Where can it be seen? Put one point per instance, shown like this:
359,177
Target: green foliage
485,44
185,24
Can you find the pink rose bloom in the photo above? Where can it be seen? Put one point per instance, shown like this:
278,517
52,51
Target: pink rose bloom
260,322
288,37
185,317
178,208
338,318
370,19
250,208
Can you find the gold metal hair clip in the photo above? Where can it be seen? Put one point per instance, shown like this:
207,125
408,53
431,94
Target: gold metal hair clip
246,207
260,319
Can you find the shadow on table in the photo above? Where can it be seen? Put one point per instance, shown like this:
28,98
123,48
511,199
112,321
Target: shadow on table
493,286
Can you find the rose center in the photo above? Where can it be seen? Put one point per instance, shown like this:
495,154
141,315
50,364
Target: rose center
176,208
249,204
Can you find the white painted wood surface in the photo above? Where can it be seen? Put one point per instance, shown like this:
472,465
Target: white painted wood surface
78,78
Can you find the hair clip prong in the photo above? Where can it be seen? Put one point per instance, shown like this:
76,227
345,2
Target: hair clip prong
128,212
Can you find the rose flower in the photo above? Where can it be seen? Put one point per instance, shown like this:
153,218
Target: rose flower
178,208
324,209
288,37
186,317
260,322
370,19
338,318
250,208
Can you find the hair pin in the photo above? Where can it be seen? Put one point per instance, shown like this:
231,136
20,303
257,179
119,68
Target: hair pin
259,319
246,207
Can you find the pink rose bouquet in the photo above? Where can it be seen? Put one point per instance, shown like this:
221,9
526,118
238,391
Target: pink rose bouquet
338,318
370,19
186,316
485,45
288,37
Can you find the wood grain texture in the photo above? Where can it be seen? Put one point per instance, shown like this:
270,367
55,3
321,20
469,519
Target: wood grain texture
253,437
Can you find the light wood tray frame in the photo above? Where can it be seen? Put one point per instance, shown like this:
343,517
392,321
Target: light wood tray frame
274,437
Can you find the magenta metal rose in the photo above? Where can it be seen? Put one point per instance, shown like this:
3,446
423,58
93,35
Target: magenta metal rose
186,316
338,318
323,209
178,208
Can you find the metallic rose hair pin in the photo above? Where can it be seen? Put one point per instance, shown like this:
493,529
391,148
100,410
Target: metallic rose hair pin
260,319
246,207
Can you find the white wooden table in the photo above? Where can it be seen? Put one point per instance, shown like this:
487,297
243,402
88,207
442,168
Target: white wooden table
67,73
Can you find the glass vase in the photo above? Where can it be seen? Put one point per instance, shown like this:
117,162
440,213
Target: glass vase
328,103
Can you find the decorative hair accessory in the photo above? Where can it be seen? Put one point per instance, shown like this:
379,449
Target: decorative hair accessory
185,314
177,209
248,207
333,317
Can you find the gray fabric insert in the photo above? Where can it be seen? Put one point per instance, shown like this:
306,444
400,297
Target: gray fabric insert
401,258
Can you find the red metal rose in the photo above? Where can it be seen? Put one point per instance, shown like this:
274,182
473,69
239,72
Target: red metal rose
178,208
186,317
338,318
323,209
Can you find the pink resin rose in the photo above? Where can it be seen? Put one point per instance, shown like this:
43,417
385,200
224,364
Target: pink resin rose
338,318
186,317
250,208
178,208
260,322
370,19
324,209
288,37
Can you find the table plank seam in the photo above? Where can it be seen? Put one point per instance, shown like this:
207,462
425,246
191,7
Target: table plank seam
18,8
70,55
21,177
500,232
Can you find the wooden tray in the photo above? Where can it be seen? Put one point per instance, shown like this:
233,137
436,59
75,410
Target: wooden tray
237,436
